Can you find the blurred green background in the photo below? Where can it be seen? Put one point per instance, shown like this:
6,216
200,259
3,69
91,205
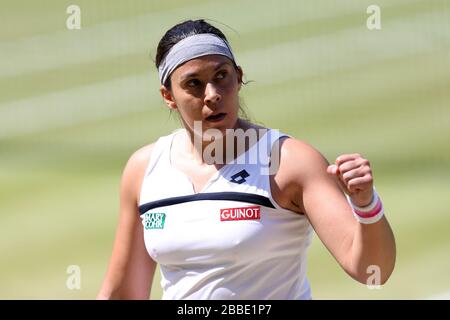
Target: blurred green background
74,104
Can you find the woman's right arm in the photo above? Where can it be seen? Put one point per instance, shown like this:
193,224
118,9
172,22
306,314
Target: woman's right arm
131,269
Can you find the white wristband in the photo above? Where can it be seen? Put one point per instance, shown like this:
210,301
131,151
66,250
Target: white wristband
369,214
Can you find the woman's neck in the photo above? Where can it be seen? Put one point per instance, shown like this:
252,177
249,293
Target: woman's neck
219,149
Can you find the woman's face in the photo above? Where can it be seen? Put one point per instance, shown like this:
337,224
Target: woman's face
206,89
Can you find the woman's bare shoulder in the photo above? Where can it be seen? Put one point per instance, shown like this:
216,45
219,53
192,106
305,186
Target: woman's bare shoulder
296,164
141,156
301,158
134,170
300,148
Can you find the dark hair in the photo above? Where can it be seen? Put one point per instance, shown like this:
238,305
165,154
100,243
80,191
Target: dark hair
178,33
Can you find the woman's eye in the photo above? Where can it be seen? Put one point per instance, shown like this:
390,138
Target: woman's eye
193,83
222,75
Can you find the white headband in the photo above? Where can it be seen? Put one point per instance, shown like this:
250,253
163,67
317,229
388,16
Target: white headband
194,46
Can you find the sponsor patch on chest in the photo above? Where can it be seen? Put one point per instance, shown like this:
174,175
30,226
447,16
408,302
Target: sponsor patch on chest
154,220
241,213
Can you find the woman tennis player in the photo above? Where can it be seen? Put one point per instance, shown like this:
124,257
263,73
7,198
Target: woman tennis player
232,218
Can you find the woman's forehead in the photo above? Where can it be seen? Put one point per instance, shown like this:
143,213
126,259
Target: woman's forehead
209,63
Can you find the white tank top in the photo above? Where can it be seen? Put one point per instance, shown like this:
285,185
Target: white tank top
231,240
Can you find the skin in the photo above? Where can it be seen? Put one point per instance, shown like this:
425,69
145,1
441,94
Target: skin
209,85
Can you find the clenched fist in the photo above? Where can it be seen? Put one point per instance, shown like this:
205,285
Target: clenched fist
354,175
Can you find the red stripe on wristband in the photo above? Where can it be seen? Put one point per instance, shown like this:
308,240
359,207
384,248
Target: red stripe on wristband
371,213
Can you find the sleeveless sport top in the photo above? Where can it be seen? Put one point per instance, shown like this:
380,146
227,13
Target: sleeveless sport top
231,240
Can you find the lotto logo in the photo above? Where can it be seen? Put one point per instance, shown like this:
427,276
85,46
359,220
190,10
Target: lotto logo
154,220
244,213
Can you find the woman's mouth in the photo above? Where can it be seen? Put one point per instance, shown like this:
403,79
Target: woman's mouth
216,117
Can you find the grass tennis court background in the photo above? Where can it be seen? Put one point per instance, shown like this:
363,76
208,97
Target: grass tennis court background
75,104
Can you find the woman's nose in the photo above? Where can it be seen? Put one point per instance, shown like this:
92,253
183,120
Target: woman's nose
211,94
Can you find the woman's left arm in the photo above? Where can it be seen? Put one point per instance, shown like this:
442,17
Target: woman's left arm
361,249
373,245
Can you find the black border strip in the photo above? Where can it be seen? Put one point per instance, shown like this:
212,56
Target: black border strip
233,196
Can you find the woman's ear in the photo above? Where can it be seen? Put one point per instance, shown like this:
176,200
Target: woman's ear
240,74
168,97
